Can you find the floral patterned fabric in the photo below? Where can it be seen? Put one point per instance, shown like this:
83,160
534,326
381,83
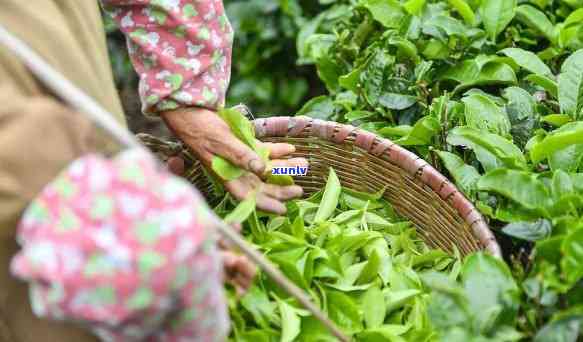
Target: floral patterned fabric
123,248
181,50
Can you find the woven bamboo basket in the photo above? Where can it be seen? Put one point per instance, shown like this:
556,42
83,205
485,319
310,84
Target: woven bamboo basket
366,162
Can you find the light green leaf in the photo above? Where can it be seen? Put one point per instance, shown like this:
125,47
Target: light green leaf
239,125
537,20
225,169
464,10
242,211
496,15
571,85
373,303
465,176
343,311
290,321
528,61
491,150
414,7
546,83
572,261
569,134
387,12
397,299
485,115
490,287
370,270
330,197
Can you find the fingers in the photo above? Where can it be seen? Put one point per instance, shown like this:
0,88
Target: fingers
176,165
279,150
235,151
270,204
293,162
239,270
283,193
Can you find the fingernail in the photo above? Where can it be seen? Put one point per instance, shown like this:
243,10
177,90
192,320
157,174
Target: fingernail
256,166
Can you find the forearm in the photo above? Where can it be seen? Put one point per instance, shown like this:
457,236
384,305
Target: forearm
181,50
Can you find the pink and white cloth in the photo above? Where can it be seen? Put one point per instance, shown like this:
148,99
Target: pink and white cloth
181,50
125,249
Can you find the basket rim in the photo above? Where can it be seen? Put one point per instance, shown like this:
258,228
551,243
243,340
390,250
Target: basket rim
305,127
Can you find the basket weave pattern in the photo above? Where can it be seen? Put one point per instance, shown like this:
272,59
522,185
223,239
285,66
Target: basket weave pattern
365,162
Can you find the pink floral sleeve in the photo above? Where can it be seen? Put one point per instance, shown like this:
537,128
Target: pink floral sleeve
180,48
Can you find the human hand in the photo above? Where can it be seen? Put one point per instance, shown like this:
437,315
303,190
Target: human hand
239,271
207,135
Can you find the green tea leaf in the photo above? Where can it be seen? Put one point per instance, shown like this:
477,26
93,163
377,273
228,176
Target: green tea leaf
566,329
397,299
496,15
489,286
528,61
546,83
330,197
225,169
572,261
414,7
559,139
239,125
370,270
242,211
491,150
485,115
465,176
397,101
290,321
343,311
387,12
464,10
373,302
519,186
571,85
536,19
529,231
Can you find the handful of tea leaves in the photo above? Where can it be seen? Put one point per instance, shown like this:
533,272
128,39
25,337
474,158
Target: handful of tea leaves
243,130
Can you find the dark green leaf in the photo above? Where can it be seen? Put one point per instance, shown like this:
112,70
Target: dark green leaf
530,231
397,101
321,107
519,186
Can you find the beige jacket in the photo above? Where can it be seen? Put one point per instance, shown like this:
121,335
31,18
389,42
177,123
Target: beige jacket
39,136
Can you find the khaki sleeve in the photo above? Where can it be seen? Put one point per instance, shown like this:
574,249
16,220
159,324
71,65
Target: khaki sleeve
38,138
